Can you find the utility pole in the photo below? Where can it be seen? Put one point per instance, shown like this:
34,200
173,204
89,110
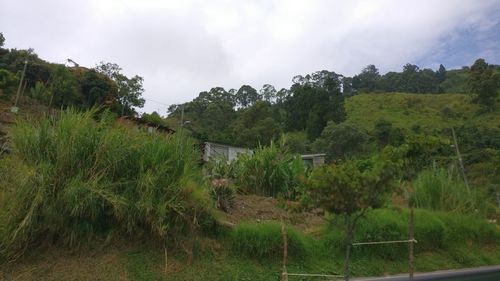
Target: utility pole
411,238
14,109
460,162
182,116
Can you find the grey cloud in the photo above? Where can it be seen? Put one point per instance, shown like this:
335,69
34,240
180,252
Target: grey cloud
184,47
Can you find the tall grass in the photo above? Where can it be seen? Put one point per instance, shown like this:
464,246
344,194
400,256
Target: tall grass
269,171
71,178
219,168
443,190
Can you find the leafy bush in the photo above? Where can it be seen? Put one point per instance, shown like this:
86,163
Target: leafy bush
266,241
81,178
341,141
8,82
223,194
297,142
421,151
40,92
270,171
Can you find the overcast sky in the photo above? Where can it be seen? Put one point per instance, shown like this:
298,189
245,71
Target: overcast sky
183,47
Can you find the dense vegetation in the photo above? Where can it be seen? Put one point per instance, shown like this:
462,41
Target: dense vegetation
72,179
59,86
77,176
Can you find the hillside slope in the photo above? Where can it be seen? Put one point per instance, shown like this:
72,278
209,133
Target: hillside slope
429,111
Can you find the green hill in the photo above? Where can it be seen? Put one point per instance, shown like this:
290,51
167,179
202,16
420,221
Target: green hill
429,111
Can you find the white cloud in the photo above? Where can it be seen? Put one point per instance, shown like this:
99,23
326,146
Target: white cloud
184,47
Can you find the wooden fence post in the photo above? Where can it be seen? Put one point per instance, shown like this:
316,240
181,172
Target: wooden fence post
284,276
166,256
412,240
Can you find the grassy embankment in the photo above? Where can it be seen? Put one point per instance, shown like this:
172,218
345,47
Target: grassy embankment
253,252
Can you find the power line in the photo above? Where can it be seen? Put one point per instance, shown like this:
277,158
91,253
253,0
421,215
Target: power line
158,102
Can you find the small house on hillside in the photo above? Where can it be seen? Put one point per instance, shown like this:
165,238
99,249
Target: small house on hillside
313,160
216,150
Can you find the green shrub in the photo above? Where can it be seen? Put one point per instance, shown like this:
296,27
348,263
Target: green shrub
8,83
223,194
82,178
266,241
270,171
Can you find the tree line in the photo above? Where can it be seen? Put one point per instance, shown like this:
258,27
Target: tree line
312,109
60,86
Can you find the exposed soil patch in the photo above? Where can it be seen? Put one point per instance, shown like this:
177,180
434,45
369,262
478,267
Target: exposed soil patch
256,209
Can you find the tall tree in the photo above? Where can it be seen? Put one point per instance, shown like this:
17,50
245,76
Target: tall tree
347,86
410,78
428,81
64,88
130,90
484,84
441,73
268,93
255,125
247,96
312,101
2,40
97,89
368,80
211,114
392,82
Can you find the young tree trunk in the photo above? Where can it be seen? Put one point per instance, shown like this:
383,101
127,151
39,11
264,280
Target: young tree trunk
348,241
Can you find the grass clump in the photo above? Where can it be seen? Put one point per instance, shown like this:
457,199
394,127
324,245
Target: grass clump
223,194
443,190
83,178
265,240
269,171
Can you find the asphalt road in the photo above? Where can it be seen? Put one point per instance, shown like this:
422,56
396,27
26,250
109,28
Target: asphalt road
487,273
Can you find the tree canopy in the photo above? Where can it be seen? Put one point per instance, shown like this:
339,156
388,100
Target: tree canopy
2,40
129,90
484,84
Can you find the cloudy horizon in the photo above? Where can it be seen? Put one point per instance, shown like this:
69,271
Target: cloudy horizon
184,47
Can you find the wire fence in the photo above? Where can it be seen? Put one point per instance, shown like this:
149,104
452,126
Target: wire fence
411,242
